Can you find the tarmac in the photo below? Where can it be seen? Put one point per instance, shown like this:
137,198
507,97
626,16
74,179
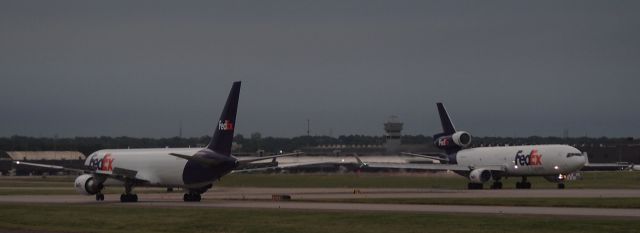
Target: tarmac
261,198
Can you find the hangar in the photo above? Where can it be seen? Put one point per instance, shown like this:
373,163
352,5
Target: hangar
73,159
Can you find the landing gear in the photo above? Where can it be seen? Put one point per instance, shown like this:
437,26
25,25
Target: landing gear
99,197
474,186
496,182
560,185
524,184
192,197
128,196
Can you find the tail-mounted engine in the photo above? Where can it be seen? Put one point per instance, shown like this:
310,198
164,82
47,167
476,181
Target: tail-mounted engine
87,185
460,139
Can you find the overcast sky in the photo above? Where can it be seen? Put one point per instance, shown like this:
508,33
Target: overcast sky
139,68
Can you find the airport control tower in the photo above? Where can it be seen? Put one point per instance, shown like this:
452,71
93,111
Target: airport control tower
393,128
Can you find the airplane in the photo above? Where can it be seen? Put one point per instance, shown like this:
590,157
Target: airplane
193,169
483,164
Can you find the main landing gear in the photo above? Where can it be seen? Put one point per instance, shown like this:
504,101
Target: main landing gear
524,184
474,186
192,197
496,185
193,194
99,197
128,196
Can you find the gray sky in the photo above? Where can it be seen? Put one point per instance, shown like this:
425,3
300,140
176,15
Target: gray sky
139,68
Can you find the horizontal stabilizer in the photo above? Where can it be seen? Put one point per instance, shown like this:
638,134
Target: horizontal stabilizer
200,160
267,157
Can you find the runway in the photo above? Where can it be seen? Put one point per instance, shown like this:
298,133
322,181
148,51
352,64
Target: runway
249,198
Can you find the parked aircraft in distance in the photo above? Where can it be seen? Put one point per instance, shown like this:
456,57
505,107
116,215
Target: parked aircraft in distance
193,169
483,164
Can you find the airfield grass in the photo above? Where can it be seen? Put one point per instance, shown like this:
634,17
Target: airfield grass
116,218
56,185
619,203
590,180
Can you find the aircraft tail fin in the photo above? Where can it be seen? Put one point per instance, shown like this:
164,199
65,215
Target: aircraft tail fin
447,125
223,135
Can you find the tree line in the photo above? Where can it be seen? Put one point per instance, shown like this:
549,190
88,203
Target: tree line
256,141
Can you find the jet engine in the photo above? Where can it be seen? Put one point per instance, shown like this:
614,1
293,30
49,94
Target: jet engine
86,184
461,138
480,176
556,178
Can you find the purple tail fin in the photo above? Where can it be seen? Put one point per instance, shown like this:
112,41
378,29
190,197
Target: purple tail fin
223,135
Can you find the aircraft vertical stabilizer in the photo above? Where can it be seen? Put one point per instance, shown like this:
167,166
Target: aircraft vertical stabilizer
223,135
447,125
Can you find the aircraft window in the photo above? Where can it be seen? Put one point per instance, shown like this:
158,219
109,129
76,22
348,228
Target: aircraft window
573,154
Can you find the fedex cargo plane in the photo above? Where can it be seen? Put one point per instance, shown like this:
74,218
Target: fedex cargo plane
193,169
484,164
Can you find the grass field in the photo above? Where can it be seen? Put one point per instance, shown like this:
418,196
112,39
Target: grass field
108,218
624,203
593,180
64,184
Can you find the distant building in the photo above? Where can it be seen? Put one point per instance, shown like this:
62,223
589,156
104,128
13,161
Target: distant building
71,159
45,155
393,129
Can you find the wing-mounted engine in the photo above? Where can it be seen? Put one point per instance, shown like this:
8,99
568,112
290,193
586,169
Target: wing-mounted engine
480,176
87,184
458,140
556,179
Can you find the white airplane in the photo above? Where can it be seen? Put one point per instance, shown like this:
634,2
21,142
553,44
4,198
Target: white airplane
194,169
482,164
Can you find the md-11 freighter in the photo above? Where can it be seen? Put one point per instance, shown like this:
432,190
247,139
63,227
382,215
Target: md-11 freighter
483,164
193,169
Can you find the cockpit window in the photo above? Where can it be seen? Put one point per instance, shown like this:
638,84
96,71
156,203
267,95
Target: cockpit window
573,154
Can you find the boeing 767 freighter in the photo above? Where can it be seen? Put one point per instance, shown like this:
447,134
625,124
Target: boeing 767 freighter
193,169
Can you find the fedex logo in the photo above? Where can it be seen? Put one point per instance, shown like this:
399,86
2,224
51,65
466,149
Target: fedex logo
103,164
226,125
443,141
532,159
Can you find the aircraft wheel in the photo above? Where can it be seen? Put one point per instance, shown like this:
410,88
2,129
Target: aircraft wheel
128,198
99,197
523,185
561,186
192,197
474,186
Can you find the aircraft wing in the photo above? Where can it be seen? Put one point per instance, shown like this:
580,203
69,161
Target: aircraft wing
117,173
427,167
280,167
607,166
55,167
432,156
